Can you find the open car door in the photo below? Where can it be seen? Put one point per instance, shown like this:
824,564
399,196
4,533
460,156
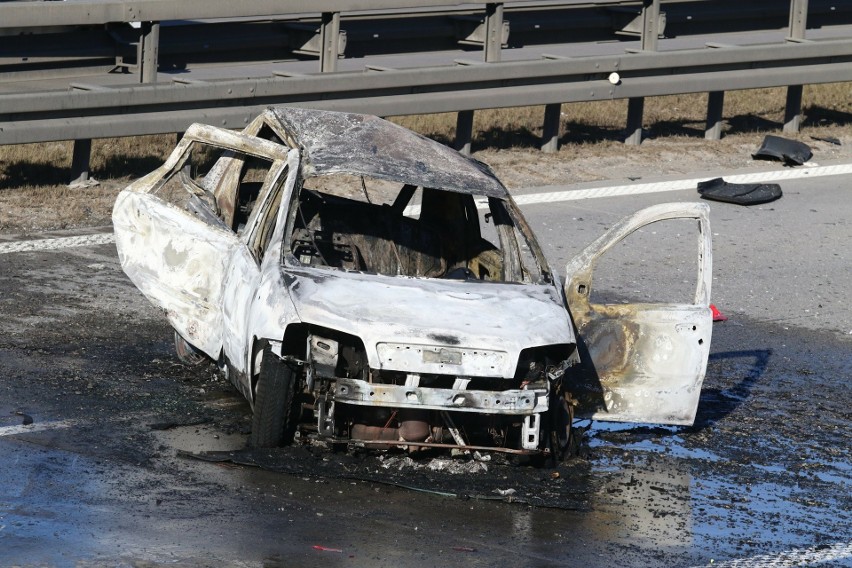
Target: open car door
641,362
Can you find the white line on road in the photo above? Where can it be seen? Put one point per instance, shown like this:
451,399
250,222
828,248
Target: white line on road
678,185
527,199
37,427
58,243
841,551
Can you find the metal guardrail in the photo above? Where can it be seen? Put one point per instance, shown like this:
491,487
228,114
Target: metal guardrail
147,109
92,12
125,111
90,111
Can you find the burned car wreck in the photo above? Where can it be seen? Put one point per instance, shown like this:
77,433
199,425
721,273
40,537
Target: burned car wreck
362,284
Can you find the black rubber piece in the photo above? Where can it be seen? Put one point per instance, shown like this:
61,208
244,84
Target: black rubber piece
829,139
718,189
791,152
274,420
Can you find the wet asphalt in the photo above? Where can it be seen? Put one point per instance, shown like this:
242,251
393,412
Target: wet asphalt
96,418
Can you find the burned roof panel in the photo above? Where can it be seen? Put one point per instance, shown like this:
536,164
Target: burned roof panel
335,142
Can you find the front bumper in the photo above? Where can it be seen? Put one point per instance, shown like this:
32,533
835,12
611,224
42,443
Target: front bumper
513,402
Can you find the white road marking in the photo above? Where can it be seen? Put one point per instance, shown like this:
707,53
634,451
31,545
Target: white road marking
679,185
36,427
841,551
527,199
58,243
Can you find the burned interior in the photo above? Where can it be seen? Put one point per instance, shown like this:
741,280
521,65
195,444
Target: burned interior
355,223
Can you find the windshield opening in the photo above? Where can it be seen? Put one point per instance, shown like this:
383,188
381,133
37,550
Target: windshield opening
358,223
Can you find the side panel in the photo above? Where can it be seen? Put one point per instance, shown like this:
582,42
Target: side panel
241,284
178,262
641,362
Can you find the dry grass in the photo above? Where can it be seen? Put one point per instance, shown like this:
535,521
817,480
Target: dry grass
33,194
33,181
758,110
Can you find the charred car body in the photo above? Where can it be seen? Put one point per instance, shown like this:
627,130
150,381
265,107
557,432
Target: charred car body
363,284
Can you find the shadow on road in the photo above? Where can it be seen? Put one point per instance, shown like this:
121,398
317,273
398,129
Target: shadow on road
717,403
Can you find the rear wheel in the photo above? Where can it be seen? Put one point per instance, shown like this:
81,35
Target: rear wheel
274,421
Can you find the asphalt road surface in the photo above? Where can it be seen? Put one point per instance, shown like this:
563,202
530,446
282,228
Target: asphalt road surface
96,414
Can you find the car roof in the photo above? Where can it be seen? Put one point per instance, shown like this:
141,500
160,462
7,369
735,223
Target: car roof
337,142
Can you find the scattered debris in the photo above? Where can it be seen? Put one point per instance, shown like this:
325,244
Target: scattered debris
325,548
27,418
791,152
717,189
310,463
84,183
829,139
457,467
399,463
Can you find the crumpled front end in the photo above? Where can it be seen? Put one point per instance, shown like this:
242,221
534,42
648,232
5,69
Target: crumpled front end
480,368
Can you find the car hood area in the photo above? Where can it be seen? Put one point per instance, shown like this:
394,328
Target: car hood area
470,328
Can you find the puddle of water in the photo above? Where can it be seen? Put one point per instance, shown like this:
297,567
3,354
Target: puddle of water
652,438
200,438
717,510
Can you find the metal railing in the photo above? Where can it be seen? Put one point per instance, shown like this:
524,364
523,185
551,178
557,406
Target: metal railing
92,111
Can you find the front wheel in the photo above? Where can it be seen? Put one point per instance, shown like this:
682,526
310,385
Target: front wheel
274,420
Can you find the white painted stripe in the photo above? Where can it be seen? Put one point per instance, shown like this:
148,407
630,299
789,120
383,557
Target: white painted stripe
57,244
841,551
679,185
36,427
527,199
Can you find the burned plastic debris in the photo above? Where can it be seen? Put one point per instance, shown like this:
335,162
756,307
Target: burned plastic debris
717,189
791,152
830,139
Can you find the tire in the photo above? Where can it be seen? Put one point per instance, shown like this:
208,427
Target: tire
187,354
275,419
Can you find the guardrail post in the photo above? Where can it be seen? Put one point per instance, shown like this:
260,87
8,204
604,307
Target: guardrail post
491,53
464,131
493,31
81,152
635,110
329,35
798,18
493,46
793,109
148,54
80,157
550,128
650,34
715,104
798,27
